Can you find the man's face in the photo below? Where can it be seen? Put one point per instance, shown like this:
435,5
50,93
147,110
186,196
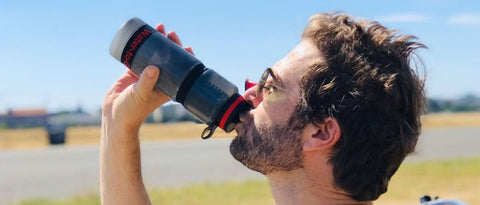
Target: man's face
268,138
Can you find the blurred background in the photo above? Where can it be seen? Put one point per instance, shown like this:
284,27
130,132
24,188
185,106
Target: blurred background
56,68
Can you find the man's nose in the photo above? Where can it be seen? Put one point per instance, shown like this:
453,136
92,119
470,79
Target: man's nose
251,94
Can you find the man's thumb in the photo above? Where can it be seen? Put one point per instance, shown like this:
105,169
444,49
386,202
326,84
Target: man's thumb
147,81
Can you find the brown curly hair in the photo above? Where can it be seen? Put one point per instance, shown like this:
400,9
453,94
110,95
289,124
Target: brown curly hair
368,84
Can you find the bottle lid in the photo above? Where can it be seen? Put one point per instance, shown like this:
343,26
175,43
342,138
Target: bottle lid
123,36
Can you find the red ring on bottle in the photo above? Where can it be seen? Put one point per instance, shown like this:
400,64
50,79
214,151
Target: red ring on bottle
229,112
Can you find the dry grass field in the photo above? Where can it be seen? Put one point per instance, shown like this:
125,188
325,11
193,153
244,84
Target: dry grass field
471,119
37,137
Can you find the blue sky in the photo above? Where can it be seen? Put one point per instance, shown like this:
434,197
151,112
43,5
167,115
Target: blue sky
55,54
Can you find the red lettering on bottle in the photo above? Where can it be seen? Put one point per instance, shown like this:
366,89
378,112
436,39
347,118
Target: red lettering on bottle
133,46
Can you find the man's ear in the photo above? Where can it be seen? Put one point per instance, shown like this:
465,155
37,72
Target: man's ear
321,136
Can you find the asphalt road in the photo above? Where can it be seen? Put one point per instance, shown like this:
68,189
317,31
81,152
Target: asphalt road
61,171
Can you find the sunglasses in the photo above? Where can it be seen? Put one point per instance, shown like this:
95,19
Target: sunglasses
263,84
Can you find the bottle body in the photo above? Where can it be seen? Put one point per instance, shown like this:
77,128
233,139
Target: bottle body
183,78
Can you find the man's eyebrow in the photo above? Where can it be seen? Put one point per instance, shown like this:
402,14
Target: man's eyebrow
276,79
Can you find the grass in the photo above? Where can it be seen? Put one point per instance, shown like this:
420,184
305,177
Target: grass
37,137
23,138
90,199
454,179
458,179
239,193
436,120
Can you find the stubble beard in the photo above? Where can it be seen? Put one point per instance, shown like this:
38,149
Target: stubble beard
269,149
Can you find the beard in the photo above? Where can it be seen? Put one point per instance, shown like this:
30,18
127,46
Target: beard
269,149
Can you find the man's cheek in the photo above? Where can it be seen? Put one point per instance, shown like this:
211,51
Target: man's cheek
278,114
273,98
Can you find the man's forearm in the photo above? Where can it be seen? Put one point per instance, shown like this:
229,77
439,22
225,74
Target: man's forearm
125,106
120,168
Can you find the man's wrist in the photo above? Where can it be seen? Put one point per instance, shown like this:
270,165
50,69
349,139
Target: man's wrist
112,129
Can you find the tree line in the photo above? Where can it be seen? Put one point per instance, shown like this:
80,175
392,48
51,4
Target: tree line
467,103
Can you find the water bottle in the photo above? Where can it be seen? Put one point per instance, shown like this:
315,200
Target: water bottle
183,78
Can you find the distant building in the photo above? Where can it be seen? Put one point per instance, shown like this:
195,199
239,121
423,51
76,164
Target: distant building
74,118
24,118
171,112
27,118
174,112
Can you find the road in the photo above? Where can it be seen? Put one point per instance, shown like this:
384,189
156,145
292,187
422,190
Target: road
62,171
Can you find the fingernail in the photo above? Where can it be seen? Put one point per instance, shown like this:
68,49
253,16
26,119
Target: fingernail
150,72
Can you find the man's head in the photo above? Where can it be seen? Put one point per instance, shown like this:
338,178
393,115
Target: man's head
269,136
352,80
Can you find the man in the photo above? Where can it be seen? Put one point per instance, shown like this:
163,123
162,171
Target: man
331,122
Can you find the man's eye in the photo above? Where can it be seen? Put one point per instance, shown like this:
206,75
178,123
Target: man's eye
269,88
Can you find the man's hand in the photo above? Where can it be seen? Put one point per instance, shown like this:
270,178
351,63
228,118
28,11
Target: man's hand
129,102
128,106
125,107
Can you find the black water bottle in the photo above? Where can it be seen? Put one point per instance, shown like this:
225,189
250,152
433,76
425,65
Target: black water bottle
183,78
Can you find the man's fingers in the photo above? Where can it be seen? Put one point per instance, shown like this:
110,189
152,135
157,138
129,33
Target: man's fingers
189,49
131,73
126,80
147,81
174,37
161,28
